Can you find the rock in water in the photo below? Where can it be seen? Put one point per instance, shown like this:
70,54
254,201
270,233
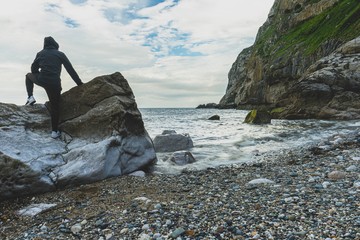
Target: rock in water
170,141
214,117
258,117
103,136
182,158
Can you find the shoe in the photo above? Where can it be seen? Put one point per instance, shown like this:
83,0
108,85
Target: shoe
55,134
30,101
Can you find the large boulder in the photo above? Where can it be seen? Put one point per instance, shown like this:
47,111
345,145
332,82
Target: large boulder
100,108
103,136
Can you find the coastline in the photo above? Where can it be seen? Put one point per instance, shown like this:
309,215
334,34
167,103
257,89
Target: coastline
305,193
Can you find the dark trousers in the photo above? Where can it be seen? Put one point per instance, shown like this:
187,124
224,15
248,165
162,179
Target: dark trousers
53,94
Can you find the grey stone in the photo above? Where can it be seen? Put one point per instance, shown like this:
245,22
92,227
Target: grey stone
182,158
260,181
172,141
34,209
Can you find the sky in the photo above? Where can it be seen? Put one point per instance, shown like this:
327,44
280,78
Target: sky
173,53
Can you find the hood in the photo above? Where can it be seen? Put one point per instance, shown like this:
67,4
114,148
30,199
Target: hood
50,42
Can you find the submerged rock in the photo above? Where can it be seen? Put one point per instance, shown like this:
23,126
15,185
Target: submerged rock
103,136
182,158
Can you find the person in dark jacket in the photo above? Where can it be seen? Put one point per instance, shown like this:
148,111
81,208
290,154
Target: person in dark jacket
45,72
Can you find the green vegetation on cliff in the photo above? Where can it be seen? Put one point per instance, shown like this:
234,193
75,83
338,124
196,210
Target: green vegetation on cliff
340,22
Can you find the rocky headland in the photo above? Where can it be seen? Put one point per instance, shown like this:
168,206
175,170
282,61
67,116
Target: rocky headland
305,62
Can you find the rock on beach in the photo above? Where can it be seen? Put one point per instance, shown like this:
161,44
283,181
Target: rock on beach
170,141
103,136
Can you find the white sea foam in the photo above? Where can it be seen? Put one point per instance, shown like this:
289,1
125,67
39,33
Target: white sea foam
229,140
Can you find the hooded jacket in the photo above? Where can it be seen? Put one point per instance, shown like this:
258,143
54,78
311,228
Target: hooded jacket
48,64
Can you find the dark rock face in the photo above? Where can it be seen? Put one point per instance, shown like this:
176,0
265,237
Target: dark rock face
333,83
103,136
296,35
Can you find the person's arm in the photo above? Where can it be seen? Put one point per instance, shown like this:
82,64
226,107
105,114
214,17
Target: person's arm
35,65
69,68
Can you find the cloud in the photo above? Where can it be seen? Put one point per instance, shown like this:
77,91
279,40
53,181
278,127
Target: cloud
174,53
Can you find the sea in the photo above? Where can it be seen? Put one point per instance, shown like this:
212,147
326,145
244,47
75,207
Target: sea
230,141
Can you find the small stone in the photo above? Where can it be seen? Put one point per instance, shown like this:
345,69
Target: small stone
98,223
351,168
177,233
268,235
292,217
76,228
108,233
250,186
312,179
44,228
124,230
326,184
256,236
260,181
336,175
138,174
301,233
235,213
318,186
34,209
339,204
145,227
143,199
157,206
144,236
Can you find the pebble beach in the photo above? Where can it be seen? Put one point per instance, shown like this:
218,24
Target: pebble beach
306,193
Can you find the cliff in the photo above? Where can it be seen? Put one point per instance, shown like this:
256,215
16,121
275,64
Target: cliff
289,48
